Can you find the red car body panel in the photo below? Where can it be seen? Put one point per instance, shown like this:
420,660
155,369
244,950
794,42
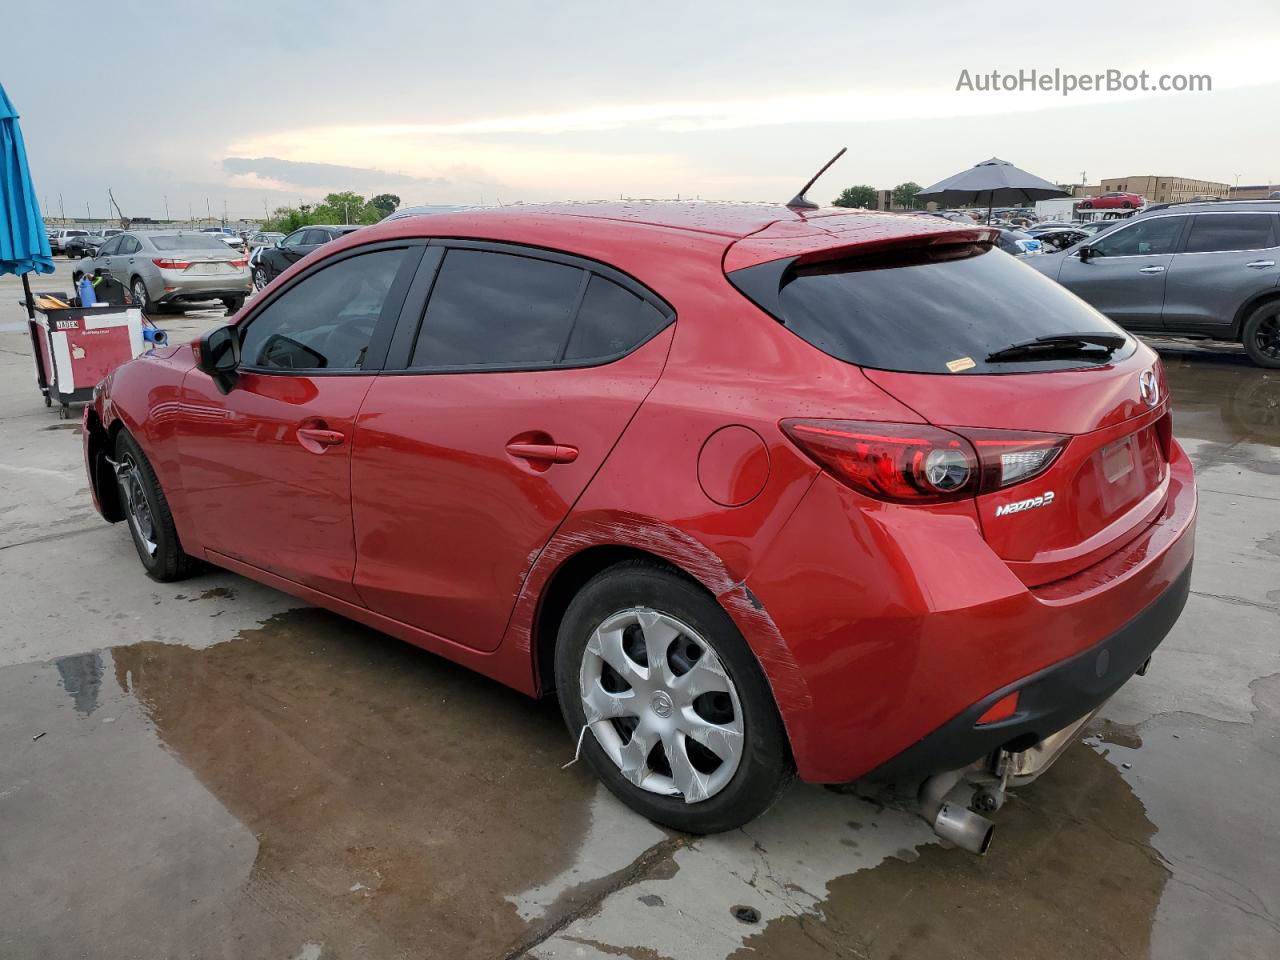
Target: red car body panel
874,623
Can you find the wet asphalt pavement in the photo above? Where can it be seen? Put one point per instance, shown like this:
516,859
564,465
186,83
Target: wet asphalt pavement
211,769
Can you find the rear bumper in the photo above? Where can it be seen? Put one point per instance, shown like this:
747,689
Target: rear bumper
1049,700
903,626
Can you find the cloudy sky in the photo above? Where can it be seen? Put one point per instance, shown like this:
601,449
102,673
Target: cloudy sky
249,103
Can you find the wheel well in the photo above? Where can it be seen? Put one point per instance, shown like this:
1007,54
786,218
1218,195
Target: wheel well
564,586
1237,325
101,443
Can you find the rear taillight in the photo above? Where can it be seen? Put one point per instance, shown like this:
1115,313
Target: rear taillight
239,263
172,264
919,463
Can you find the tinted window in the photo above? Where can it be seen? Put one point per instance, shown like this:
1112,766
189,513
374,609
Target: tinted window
326,321
189,241
920,310
1231,231
611,321
129,245
496,308
294,239
1140,238
316,237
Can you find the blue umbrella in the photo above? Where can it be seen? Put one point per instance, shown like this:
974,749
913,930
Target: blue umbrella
24,245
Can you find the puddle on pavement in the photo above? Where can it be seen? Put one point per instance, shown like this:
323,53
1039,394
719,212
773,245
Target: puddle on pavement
1159,840
1225,400
331,785
1070,874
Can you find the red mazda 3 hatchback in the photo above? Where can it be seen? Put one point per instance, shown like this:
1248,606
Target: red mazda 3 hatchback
756,491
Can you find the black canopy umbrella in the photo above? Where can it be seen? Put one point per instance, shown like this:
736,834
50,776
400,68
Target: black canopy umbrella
995,181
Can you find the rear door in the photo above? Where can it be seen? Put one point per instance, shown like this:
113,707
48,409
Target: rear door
1226,259
1125,277
516,381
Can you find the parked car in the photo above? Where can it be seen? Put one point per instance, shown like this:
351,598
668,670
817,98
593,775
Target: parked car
1095,227
82,245
227,236
1019,244
174,267
422,211
275,260
265,238
733,553
1057,238
1109,200
1201,270
59,238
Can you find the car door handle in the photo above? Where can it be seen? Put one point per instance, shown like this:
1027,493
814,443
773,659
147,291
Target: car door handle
318,441
1151,269
1261,264
547,452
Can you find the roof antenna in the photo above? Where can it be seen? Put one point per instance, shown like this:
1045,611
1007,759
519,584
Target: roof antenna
800,201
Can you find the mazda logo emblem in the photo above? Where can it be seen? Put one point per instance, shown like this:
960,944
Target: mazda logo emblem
1149,388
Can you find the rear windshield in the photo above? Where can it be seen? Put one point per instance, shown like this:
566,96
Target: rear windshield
920,310
189,241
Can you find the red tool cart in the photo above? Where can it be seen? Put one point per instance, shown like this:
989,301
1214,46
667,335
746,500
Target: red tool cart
76,347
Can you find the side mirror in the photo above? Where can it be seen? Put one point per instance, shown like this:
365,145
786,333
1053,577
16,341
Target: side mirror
218,353
279,243
1086,253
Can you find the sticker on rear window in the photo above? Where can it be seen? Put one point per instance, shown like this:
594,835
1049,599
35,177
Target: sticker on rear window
962,363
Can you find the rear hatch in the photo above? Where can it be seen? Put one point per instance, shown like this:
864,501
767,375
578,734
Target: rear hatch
1070,435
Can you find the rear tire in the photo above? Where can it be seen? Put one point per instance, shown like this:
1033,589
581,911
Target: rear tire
232,304
147,514
1261,335
740,700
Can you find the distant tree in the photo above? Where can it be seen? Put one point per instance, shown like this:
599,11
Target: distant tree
859,196
385,203
904,194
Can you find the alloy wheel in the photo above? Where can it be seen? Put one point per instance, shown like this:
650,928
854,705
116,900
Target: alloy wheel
1266,337
661,705
140,293
259,278
136,505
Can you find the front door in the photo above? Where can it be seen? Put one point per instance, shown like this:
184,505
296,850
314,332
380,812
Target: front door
525,372
266,467
1125,277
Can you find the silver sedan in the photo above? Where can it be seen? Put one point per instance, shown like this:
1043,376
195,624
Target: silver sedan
175,267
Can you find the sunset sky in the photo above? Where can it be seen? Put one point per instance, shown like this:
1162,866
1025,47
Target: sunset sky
246,104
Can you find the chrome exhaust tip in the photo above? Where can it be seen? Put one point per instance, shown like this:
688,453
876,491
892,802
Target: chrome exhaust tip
944,805
966,829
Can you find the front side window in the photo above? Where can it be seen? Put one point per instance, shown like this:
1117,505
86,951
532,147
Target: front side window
1222,232
326,320
294,239
1155,236
110,247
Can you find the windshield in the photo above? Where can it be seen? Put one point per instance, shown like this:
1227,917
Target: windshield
934,310
188,241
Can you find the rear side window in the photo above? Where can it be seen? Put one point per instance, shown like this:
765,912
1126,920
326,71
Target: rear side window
932,310
1231,231
612,320
495,308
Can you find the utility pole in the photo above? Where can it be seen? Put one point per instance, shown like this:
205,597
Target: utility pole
87,214
224,211
62,214
166,208
208,209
